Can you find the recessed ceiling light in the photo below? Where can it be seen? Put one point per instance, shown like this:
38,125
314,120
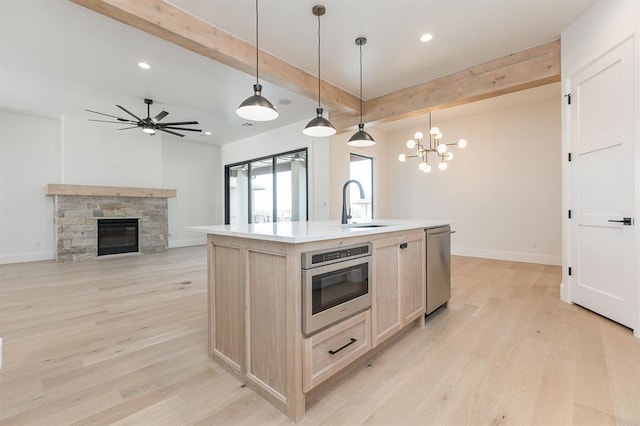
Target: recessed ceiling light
426,37
207,133
144,65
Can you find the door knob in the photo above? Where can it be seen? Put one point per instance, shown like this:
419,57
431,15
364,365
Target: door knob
624,221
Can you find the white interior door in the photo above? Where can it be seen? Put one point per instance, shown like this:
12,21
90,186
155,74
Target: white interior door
603,258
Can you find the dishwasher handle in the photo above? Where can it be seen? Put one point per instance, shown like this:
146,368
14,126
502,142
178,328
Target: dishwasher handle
435,234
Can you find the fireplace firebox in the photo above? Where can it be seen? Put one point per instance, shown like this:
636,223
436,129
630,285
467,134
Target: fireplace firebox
117,236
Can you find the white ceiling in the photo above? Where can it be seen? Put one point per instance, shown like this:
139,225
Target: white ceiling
57,58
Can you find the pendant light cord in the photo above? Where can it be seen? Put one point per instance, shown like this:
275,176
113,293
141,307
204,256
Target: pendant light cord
257,48
360,83
319,61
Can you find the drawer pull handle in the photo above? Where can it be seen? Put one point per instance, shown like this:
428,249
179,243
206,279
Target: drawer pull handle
403,245
342,347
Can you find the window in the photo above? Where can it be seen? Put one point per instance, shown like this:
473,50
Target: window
269,189
361,169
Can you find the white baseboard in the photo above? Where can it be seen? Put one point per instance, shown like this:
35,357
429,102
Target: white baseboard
543,259
33,256
188,242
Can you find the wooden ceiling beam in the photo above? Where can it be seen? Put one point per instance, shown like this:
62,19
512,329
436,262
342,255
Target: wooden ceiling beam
526,69
170,23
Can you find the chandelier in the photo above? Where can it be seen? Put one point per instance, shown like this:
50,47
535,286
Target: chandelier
437,147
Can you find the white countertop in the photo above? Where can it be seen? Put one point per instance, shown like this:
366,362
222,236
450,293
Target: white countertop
302,232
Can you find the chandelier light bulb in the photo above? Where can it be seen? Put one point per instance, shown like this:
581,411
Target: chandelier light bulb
411,144
402,157
418,136
462,143
434,130
442,148
424,167
442,166
437,136
448,155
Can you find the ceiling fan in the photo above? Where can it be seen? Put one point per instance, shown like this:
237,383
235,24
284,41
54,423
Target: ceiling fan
148,125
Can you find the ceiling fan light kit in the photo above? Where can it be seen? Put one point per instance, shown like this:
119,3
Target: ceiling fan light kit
361,138
148,125
319,126
257,107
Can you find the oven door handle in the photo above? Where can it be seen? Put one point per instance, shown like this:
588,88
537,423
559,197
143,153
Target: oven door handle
351,342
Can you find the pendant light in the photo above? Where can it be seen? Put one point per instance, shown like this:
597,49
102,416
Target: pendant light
319,126
257,107
361,138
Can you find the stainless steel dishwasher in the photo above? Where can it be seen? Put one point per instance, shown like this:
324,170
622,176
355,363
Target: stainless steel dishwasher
438,267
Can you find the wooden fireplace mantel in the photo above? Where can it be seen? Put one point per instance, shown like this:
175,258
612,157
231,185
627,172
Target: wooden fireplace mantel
108,191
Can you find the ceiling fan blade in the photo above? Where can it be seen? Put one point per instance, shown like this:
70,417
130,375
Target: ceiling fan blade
126,128
117,122
178,128
160,116
130,113
169,131
108,115
178,123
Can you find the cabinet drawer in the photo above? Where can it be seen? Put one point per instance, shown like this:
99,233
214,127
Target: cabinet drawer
334,348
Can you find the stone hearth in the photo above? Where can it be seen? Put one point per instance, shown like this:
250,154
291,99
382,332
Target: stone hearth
77,221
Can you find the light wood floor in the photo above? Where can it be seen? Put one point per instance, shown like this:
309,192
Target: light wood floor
123,340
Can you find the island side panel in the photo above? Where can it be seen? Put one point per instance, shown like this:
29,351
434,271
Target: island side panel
227,297
267,314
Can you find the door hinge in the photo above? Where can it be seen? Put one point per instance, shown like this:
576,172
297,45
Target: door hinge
569,156
569,214
568,96
569,270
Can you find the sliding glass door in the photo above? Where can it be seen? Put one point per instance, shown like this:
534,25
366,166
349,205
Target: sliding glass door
269,189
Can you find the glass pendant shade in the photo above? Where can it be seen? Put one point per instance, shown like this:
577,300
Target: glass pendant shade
418,135
442,148
442,165
424,167
361,138
402,157
411,144
319,126
257,107
462,143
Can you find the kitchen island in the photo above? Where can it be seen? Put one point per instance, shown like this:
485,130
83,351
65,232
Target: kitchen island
255,296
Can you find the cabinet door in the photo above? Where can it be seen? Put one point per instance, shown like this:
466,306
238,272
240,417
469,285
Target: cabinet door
385,291
412,264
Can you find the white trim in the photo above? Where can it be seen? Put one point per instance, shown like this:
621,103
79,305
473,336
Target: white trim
33,256
188,242
543,259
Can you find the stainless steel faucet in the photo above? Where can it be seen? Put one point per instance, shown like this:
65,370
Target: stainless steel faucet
344,198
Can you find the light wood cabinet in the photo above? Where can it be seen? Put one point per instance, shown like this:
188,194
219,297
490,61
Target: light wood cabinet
255,311
385,289
412,274
398,283
332,349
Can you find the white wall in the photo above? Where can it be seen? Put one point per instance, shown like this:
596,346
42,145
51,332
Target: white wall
99,154
502,192
283,139
194,171
36,151
29,159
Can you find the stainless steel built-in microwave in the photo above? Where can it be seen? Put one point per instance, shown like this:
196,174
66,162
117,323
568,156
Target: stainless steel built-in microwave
335,285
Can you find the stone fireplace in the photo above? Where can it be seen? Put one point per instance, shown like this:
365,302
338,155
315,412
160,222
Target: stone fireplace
79,207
